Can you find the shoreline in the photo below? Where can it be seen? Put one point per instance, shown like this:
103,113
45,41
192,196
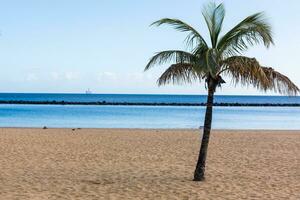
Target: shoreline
104,103
155,129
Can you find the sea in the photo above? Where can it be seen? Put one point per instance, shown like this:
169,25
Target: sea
149,117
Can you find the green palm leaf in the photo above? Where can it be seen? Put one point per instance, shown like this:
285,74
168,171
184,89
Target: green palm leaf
170,55
252,30
183,27
214,16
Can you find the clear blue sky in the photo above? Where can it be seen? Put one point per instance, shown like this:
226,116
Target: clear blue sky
72,45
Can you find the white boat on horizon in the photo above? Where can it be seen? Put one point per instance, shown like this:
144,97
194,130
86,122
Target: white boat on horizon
88,91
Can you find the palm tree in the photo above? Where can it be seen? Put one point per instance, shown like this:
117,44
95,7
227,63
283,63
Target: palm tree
222,58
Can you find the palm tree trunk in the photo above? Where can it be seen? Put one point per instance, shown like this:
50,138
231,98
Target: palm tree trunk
200,167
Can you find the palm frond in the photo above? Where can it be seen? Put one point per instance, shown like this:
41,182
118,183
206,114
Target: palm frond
279,82
183,27
214,16
180,73
245,71
252,30
248,71
171,55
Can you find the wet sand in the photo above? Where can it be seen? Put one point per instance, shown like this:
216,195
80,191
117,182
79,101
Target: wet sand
147,164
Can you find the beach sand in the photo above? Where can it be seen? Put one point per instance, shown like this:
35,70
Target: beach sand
147,164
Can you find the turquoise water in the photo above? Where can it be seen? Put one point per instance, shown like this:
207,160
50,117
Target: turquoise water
148,117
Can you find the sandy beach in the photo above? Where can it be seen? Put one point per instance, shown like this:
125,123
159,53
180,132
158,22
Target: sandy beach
147,164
